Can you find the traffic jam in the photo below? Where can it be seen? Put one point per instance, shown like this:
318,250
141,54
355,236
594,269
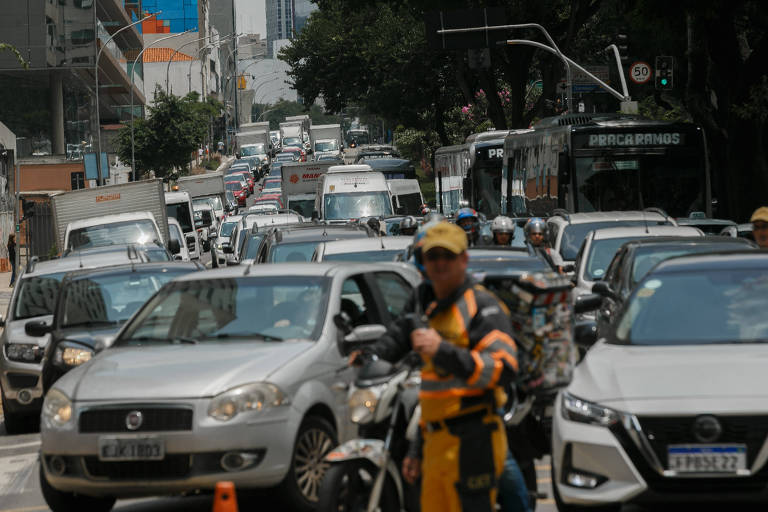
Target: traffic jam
302,322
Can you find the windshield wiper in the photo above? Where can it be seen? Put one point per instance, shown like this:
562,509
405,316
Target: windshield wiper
264,337
91,323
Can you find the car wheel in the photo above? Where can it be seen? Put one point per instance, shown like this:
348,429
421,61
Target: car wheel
564,507
60,501
214,261
14,423
301,487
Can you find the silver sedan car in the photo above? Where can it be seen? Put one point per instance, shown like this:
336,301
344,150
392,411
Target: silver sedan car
229,374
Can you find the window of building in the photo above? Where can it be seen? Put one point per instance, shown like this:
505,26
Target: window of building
77,180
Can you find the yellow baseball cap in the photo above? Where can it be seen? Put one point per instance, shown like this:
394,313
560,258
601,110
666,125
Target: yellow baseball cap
445,235
760,214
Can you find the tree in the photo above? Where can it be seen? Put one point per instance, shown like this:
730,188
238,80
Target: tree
174,128
15,51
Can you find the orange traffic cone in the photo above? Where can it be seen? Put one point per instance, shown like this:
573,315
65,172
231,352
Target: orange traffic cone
224,499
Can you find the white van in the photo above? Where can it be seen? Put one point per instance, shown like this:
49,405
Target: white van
179,206
406,196
348,192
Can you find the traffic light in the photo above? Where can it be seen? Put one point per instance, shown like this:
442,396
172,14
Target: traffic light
665,66
621,44
27,208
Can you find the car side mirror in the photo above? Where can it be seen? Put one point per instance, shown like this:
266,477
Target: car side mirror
238,155
315,215
365,334
177,257
569,268
586,303
37,329
174,246
585,333
2,321
603,289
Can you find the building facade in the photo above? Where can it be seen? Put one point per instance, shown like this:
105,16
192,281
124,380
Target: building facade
279,21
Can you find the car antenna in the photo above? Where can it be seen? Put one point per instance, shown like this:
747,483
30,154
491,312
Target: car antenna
247,270
645,221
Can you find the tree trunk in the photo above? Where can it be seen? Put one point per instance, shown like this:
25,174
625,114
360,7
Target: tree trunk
495,110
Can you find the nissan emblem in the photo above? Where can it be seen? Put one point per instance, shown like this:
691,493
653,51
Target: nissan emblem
707,429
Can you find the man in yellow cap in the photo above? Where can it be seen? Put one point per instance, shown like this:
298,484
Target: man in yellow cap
462,332
759,222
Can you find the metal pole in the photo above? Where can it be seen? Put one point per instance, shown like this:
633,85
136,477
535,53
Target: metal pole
133,68
621,70
96,73
16,234
168,68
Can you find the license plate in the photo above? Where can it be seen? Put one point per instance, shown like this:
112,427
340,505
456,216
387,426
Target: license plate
133,448
707,458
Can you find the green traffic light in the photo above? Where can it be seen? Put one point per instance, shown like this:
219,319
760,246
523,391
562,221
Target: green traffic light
664,81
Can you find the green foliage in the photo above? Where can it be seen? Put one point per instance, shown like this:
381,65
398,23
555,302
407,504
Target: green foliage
648,107
277,113
212,163
755,108
172,132
15,51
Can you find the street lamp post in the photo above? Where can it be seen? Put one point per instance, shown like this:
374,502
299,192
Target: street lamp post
168,68
96,73
133,68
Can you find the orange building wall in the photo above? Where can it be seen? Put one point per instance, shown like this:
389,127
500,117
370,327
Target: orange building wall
49,176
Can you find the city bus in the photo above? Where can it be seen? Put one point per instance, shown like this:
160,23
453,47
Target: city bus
604,162
469,174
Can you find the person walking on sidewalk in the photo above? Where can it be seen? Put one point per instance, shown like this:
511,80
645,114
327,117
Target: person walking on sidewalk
12,256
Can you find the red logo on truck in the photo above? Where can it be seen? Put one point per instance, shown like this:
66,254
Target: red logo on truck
310,176
108,197
294,178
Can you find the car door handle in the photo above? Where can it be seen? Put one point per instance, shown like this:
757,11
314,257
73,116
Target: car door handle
340,386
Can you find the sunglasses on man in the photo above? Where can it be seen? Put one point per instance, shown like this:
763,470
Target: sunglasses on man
440,254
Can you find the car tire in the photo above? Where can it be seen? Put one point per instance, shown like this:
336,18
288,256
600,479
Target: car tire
300,488
564,507
60,501
214,261
344,489
14,423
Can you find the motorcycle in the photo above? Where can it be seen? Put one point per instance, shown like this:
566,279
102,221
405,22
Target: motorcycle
364,473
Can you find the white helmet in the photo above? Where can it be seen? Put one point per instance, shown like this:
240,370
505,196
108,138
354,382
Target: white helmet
503,224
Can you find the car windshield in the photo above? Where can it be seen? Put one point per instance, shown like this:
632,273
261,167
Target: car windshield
353,205
251,150
292,141
221,310
236,187
326,146
272,184
365,256
292,252
180,212
252,249
601,252
720,306
37,295
141,231
226,228
303,207
574,234
112,298
285,157
216,203
646,257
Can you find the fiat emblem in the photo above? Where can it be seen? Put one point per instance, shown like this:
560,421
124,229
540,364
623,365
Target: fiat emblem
133,420
707,429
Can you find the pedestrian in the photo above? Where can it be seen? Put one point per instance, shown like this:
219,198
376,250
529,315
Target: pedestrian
12,257
462,332
759,222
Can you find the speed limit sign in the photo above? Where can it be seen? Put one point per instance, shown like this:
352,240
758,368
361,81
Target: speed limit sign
640,72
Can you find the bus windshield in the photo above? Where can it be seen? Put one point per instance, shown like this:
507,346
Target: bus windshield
673,182
486,189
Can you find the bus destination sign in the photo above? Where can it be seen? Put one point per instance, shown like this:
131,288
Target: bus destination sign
605,140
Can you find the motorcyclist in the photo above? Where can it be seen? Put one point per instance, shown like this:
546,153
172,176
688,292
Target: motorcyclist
462,333
503,229
468,220
408,226
536,237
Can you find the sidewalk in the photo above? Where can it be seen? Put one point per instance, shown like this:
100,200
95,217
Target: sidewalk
5,278
226,161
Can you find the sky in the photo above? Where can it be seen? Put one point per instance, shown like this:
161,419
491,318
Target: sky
251,17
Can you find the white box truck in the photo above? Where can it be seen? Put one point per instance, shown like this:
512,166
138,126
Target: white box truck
406,196
101,207
206,186
299,185
305,122
178,205
254,146
348,192
325,139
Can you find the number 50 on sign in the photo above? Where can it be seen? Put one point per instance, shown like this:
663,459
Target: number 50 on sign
640,72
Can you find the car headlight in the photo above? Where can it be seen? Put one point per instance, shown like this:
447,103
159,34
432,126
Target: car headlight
57,409
362,403
249,397
72,356
25,353
576,409
219,247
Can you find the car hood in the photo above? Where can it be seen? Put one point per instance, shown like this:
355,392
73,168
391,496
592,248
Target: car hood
101,336
177,371
620,375
15,331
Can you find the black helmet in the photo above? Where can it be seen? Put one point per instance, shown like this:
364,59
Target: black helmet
408,226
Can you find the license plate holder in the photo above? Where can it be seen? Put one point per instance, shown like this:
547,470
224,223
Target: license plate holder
707,458
123,448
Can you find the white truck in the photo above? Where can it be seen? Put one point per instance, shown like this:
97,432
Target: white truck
305,122
112,214
178,205
348,192
254,146
206,186
406,196
291,134
325,139
299,185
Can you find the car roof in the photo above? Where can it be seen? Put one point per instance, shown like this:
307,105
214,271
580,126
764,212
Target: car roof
581,218
154,266
677,240
387,163
373,244
696,221
710,262
232,218
290,269
95,257
265,221
310,232
650,231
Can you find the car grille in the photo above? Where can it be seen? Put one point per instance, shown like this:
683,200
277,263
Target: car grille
22,380
173,466
155,419
663,431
